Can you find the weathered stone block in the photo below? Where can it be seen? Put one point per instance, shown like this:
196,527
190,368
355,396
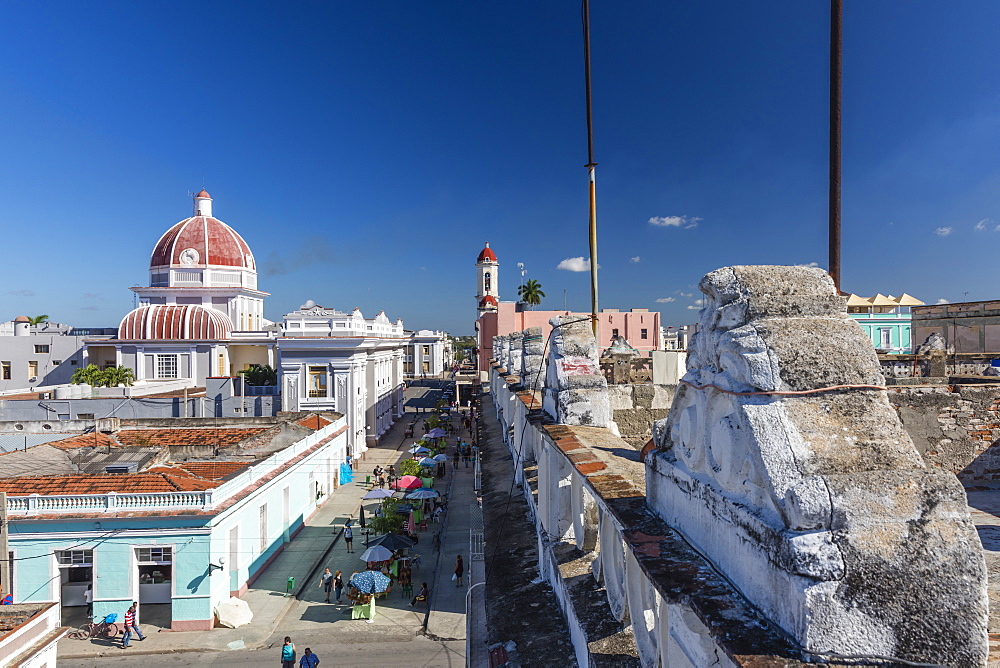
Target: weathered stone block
818,506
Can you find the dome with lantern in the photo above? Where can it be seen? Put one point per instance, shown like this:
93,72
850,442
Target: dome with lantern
202,251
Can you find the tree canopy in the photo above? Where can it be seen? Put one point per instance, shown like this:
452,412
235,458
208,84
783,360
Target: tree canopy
96,377
531,293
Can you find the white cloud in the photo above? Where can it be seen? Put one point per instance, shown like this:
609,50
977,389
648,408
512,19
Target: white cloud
982,224
698,303
635,259
811,264
666,300
943,231
575,264
675,221
943,301
685,294
21,293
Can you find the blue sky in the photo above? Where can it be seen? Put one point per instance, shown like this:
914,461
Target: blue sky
367,150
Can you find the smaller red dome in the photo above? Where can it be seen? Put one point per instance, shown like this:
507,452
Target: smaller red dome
488,300
203,193
487,254
22,318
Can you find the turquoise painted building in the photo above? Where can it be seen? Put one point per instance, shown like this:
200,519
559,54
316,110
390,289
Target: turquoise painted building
191,548
886,321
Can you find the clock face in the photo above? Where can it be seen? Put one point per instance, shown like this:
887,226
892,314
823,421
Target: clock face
189,256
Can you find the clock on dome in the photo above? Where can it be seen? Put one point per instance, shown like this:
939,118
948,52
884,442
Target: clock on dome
189,256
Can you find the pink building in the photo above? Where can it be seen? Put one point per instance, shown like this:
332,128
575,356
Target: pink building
639,326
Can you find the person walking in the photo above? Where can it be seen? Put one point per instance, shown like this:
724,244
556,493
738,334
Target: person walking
459,570
88,598
131,624
338,585
349,537
288,654
326,582
308,660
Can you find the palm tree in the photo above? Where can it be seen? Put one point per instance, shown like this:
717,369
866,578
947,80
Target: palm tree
118,375
531,293
89,375
38,319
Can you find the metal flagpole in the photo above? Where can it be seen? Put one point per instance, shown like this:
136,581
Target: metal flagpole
836,65
591,165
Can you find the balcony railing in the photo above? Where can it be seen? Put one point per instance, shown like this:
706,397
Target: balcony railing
35,504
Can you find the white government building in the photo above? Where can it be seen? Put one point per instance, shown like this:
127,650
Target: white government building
202,316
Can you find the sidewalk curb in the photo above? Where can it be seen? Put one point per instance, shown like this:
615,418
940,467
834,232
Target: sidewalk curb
141,652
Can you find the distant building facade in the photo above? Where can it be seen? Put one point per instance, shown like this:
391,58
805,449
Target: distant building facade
967,327
428,354
331,360
886,320
41,355
639,326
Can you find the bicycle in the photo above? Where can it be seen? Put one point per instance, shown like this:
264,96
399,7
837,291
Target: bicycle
105,628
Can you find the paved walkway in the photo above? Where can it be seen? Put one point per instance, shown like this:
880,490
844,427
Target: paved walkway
317,545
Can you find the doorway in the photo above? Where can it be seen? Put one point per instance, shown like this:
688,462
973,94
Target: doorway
76,576
154,571
234,563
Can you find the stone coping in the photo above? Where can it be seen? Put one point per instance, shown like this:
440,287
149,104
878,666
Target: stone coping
614,474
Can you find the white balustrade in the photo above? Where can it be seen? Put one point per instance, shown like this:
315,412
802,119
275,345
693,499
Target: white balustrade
35,504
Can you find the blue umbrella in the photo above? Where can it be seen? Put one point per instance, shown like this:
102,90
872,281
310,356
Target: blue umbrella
370,582
436,432
418,450
378,494
440,458
427,461
376,553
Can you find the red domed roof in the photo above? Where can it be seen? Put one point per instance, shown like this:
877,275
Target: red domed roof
203,193
211,240
175,322
488,299
22,318
487,254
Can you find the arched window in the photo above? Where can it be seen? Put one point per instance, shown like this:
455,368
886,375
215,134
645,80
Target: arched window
486,282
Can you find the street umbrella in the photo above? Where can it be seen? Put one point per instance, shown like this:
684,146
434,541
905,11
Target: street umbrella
422,493
436,432
393,541
378,494
418,450
428,461
408,482
440,458
376,553
370,582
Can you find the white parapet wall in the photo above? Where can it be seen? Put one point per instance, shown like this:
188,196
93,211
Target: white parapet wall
768,528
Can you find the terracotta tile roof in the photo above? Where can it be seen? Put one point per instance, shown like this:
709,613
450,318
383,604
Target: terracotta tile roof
133,483
206,470
236,498
159,437
314,422
93,439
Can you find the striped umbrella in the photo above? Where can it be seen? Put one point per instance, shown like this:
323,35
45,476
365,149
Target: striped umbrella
422,493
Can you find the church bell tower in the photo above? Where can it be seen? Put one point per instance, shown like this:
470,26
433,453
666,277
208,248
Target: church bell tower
488,270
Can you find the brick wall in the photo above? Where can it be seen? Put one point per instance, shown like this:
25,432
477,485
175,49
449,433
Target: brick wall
956,428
